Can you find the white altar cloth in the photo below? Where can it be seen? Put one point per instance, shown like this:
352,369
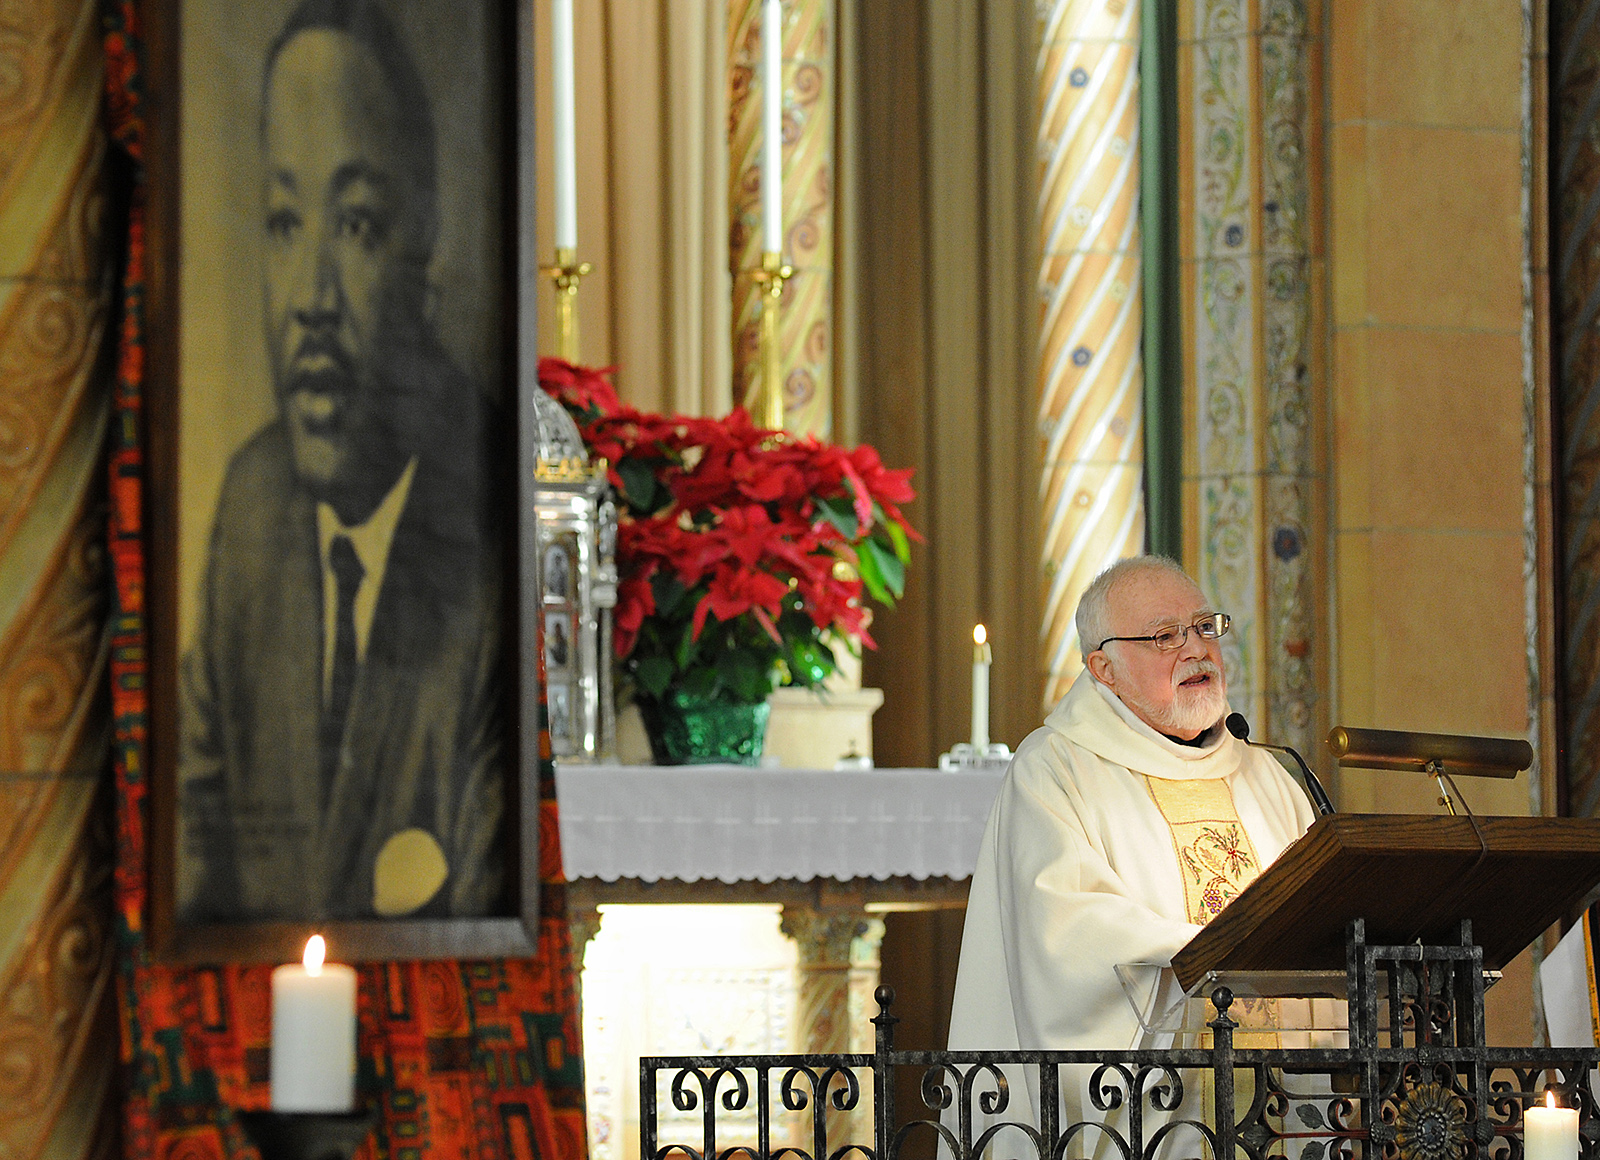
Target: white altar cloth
737,824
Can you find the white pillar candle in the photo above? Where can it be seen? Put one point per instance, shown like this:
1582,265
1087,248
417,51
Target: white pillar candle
1550,1133
772,126
982,657
313,1034
564,128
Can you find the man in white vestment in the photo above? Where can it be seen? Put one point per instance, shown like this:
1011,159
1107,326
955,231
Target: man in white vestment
1124,824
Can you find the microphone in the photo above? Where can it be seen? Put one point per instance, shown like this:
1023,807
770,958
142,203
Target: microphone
1240,728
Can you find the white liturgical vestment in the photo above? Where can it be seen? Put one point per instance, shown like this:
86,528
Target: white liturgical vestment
1108,843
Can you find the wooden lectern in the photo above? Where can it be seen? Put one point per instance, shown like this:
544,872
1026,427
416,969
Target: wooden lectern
1410,878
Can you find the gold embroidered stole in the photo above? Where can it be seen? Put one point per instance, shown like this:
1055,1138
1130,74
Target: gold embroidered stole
1215,856
1216,860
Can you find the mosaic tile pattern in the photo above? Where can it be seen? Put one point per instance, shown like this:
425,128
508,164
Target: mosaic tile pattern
1222,413
1249,381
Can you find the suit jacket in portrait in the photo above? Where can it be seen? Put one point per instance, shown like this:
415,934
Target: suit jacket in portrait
424,738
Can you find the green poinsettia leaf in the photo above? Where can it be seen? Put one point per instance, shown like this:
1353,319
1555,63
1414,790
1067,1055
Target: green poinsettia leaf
654,674
638,485
809,662
744,675
686,646
891,571
867,566
699,682
842,515
897,536
668,592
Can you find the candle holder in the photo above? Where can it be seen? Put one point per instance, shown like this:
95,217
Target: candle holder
965,755
308,1135
565,273
765,400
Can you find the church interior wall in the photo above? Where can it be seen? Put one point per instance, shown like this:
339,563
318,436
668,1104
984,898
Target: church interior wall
1415,255
1427,458
1429,316
1438,397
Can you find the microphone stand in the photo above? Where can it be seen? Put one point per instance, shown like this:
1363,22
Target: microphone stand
1240,728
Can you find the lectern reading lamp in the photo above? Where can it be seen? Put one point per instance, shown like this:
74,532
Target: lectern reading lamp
1438,754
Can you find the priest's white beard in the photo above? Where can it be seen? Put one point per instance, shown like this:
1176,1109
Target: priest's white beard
1191,710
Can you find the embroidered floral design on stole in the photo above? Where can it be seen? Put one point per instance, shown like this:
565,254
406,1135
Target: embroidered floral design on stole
1216,860
1215,857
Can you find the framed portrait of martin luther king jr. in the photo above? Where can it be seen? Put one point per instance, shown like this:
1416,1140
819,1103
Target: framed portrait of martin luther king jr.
344,700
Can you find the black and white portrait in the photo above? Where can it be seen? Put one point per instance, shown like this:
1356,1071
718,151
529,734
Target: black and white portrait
560,713
557,640
557,574
342,704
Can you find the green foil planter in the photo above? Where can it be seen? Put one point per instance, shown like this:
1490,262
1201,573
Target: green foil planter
686,730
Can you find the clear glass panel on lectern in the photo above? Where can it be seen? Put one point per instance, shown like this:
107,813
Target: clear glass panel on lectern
1296,1008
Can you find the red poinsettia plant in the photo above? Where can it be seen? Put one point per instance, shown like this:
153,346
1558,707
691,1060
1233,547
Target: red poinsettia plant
743,554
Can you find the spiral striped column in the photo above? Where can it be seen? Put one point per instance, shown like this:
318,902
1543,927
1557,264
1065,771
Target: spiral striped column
805,332
56,1019
1090,377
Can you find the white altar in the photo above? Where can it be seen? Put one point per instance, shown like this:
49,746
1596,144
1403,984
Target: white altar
802,863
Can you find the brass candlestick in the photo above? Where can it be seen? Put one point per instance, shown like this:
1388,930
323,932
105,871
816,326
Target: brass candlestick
565,273
764,400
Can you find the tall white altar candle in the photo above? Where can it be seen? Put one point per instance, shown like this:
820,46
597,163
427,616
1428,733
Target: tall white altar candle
772,126
982,657
313,1034
564,127
1549,1133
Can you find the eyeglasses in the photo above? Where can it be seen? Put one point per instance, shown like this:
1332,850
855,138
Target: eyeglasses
1171,637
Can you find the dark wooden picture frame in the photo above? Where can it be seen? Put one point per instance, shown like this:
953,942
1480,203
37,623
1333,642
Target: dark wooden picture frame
213,232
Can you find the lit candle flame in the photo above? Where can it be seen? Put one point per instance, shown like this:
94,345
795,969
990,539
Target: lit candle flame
1549,1098
980,634
316,952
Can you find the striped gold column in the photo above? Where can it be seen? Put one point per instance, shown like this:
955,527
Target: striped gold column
806,327
1090,376
57,1035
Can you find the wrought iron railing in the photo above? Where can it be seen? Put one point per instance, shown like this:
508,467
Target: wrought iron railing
1416,1082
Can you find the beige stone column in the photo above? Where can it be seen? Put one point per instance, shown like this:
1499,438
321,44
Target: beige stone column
1090,375
57,1029
838,972
583,923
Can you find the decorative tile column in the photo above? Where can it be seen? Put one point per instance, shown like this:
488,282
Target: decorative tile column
1249,243
806,326
56,1017
1090,375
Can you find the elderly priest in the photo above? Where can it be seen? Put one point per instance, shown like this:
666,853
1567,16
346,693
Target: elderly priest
1124,824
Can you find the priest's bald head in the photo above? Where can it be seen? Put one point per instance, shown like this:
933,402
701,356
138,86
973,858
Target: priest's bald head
1151,638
